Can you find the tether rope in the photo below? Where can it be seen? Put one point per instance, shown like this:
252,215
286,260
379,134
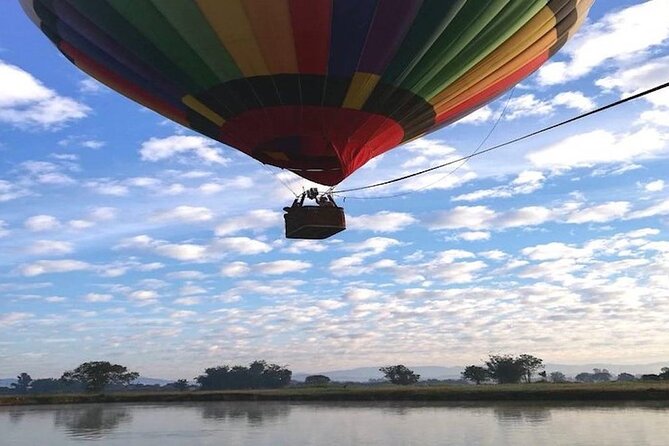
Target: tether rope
513,141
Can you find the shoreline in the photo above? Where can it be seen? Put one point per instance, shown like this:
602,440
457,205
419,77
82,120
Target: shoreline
647,391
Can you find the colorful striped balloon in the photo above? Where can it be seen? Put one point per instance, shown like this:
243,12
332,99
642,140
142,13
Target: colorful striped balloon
319,87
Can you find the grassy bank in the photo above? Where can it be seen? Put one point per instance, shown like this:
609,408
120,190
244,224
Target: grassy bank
646,391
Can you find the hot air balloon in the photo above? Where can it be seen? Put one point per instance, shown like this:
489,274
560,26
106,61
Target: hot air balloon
318,87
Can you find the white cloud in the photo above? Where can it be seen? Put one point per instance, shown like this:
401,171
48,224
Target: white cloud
9,319
619,36
93,144
204,149
472,217
235,269
50,247
601,147
183,252
53,266
527,105
631,80
661,208
39,223
103,213
574,99
45,172
527,182
239,245
484,218
256,220
383,221
474,235
191,214
91,86
4,232
479,116
10,191
373,246
361,294
554,251
282,267
143,295
26,102
303,246
654,186
600,213
97,297
106,186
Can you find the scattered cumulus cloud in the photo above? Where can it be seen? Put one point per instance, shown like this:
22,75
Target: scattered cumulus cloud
189,214
26,102
383,221
203,149
41,223
618,37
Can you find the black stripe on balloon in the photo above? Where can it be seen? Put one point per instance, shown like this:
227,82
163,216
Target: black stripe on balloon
412,112
566,16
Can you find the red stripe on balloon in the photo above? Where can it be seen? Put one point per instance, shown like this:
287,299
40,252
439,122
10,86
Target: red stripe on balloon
341,138
312,21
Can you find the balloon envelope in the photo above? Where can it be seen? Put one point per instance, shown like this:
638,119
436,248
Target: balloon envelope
319,87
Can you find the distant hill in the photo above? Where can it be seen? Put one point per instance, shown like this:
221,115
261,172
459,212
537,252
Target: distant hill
615,369
364,374
152,381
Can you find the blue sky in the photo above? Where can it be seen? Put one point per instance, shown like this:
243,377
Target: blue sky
127,238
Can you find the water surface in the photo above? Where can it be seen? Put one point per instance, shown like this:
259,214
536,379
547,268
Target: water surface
286,423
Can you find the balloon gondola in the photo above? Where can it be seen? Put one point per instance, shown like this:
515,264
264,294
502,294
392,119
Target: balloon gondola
310,222
318,87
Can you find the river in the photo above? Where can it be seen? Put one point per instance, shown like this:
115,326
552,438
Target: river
383,424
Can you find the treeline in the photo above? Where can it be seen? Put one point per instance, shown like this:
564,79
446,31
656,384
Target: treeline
98,376
507,369
258,375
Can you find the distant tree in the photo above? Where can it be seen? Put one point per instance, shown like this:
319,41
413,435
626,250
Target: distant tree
22,383
622,377
664,373
506,369
180,384
558,377
584,377
475,373
50,385
530,364
400,374
543,375
650,377
96,375
601,375
258,375
317,380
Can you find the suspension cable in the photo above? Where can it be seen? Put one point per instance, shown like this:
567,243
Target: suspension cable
452,171
513,141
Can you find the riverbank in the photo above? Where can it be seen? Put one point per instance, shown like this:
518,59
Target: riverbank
645,391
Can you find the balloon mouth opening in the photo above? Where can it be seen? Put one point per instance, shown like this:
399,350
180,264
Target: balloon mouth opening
291,152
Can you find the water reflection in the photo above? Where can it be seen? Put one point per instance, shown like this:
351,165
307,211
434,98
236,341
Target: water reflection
516,413
339,423
255,414
15,415
92,421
